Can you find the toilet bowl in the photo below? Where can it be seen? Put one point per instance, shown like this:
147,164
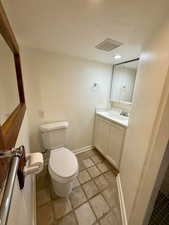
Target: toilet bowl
63,168
63,164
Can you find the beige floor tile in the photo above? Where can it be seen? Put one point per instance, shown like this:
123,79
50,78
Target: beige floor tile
62,206
97,159
99,206
43,197
101,182
90,189
109,219
75,183
88,163
103,167
84,177
85,155
45,215
85,215
110,196
93,171
110,177
117,215
81,165
58,211
67,220
77,197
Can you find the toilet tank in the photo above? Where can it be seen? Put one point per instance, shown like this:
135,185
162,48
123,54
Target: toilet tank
53,134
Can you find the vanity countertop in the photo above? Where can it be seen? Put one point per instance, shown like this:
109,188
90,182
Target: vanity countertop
114,116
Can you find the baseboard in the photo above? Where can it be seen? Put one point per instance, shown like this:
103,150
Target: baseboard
84,149
121,198
34,221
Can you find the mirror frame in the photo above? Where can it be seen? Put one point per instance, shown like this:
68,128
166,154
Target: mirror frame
117,64
10,129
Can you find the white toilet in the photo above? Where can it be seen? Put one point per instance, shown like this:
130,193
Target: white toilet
63,164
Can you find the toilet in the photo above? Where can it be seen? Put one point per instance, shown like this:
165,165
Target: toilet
63,164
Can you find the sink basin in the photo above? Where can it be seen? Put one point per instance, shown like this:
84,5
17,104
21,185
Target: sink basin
115,116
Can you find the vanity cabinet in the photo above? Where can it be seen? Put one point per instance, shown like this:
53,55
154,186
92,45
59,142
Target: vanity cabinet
109,139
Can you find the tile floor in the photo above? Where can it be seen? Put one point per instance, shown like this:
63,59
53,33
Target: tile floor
93,201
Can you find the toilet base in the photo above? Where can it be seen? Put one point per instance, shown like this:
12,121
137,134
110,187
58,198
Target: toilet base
62,189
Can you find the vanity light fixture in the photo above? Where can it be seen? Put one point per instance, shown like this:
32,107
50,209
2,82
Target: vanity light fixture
117,57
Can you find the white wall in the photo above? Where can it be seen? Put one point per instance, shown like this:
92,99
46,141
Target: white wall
22,201
60,87
150,81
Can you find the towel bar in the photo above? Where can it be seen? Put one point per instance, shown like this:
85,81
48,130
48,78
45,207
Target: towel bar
8,191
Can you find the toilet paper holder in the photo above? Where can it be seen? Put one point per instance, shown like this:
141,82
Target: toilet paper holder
34,163
18,166
31,163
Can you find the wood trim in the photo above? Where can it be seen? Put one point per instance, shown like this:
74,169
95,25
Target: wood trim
19,77
6,31
2,142
10,129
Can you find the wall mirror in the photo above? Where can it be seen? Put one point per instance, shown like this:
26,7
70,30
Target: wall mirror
12,100
123,81
9,95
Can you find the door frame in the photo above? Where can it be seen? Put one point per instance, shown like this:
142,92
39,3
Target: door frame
149,183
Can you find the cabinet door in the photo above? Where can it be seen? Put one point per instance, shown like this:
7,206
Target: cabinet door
102,132
116,140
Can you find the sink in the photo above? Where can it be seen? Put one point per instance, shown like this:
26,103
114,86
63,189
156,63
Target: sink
115,116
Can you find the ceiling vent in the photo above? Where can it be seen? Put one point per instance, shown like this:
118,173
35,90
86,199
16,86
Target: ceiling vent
108,45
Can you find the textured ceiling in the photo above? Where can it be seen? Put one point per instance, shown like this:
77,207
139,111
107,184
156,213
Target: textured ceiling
75,27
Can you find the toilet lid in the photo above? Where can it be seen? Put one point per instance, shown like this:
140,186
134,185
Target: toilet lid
63,163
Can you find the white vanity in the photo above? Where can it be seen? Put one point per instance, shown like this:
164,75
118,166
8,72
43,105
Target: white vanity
111,125
109,134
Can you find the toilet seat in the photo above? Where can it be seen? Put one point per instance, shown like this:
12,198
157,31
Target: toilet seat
63,165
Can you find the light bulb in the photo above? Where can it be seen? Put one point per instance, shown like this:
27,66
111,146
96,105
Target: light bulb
117,57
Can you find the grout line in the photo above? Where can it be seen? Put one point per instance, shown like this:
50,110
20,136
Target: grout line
88,199
90,204
75,217
98,193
